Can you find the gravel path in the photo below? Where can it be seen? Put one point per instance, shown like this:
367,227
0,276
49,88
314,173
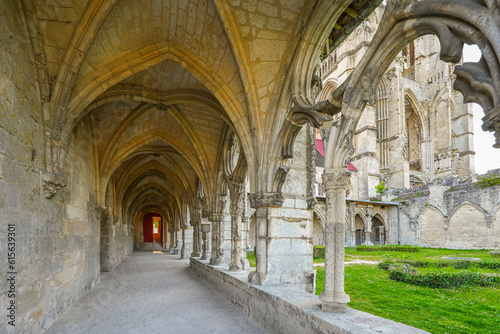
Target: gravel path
153,293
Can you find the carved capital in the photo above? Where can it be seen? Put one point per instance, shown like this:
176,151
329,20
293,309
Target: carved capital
262,199
214,217
52,183
336,179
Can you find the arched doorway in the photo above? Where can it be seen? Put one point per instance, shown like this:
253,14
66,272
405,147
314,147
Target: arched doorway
378,231
360,228
151,227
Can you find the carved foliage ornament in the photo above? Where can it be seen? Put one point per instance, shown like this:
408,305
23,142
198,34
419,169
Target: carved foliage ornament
337,179
262,199
52,183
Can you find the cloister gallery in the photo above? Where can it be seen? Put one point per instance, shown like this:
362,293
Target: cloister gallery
173,124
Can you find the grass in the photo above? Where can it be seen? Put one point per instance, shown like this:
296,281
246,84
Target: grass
251,258
460,310
425,254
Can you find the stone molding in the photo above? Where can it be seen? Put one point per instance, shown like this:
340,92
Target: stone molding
262,199
336,179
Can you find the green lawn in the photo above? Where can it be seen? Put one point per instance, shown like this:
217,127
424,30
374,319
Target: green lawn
251,258
462,310
456,311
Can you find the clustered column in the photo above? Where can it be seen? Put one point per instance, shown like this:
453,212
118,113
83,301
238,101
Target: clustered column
217,258
236,207
197,235
205,229
334,297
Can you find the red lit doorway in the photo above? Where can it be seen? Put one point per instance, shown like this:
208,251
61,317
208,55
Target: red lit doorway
151,224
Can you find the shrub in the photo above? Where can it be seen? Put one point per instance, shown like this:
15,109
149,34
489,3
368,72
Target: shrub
318,252
488,181
387,248
443,280
459,264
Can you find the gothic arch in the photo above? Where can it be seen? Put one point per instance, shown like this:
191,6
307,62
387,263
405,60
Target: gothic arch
362,216
430,207
321,215
420,112
477,206
328,89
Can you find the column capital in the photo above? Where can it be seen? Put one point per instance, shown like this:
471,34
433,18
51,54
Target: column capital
214,217
336,179
262,199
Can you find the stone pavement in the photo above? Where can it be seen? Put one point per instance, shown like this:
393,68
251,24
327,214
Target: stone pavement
153,293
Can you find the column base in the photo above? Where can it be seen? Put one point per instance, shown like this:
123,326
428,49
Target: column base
245,264
336,302
255,278
235,267
334,307
217,262
195,254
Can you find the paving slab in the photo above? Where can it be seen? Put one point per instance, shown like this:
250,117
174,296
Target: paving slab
154,293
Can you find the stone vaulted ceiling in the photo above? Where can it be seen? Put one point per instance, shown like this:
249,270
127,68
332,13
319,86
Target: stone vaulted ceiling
162,81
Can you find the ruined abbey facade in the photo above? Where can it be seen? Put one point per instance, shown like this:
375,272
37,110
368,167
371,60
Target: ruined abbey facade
417,139
150,124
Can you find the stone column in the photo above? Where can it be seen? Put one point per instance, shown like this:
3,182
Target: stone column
217,256
178,241
236,208
205,229
187,241
245,227
368,239
350,239
196,239
333,297
261,252
172,240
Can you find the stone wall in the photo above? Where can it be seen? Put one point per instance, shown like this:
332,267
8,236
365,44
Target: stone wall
281,310
57,240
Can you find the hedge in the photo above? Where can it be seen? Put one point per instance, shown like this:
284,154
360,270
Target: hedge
387,248
443,280
319,252
458,264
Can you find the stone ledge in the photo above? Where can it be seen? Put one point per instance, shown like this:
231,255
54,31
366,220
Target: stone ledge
279,309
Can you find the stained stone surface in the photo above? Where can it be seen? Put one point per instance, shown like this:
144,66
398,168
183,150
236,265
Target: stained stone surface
153,293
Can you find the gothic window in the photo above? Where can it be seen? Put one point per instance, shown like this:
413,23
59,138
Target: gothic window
413,135
409,61
382,115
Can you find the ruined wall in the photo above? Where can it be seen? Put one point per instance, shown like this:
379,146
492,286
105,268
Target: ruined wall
450,213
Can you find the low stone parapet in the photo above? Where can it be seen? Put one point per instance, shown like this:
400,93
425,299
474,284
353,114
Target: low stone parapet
280,309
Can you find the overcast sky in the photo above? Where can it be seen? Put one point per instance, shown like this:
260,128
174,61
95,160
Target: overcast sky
487,157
